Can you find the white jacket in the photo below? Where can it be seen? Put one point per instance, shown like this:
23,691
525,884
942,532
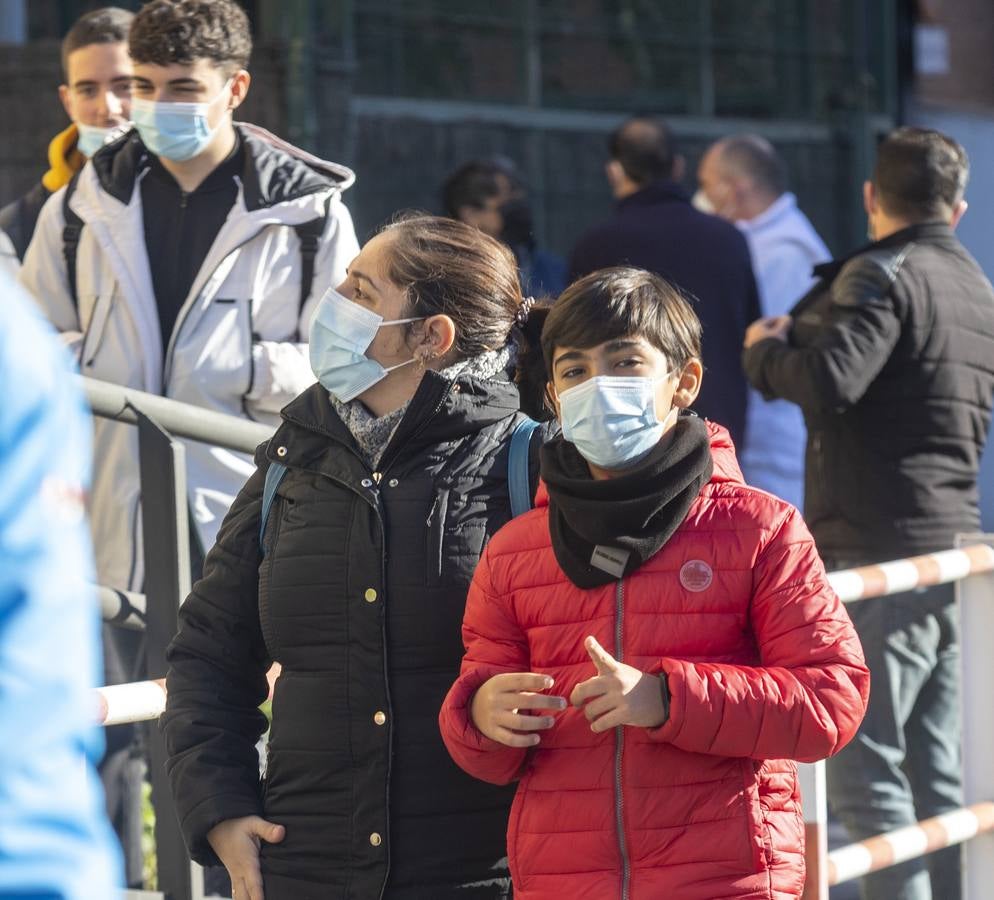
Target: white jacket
238,344
785,248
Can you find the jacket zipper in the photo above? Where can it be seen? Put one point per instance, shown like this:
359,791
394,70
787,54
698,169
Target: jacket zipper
374,492
386,692
619,748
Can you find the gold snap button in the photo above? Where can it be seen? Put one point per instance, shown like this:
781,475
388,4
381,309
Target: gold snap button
370,595
375,839
380,717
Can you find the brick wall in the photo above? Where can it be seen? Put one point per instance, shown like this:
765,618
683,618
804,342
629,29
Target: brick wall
970,81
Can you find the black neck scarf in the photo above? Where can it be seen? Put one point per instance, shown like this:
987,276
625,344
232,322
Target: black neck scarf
621,522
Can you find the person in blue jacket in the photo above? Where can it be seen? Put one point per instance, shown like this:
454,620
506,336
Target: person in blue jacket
55,842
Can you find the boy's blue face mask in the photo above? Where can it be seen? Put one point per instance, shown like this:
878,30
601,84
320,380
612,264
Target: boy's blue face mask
175,131
612,420
341,333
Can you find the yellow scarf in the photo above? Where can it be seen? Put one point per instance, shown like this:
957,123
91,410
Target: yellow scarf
64,160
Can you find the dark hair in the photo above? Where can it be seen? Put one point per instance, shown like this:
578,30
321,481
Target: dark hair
108,25
530,374
755,157
182,31
920,174
623,302
473,182
645,148
449,268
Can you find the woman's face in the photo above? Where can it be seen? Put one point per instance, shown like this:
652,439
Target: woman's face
367,284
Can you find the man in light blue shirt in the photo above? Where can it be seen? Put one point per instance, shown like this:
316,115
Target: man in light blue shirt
743,179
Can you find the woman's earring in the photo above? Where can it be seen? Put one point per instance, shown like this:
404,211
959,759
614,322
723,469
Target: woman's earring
424,359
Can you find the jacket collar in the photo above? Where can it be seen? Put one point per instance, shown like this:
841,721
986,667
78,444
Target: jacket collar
64,160
441,411
274,171
658,192
785,205
936,233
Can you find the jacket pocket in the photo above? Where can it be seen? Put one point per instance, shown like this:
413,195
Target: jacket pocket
96,327
435,537
513,825
757,832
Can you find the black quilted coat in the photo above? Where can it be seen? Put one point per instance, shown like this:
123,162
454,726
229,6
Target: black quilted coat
359,595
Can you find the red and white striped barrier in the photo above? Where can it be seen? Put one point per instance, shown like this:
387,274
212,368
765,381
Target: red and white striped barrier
907,574
899,846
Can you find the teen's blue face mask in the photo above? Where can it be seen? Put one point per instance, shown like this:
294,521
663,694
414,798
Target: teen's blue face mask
612,420
93,137
341,333
175,131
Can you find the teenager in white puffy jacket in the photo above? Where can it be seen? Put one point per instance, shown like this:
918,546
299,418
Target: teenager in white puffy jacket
200,250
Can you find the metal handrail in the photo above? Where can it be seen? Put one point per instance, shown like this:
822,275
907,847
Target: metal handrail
111,401
123,609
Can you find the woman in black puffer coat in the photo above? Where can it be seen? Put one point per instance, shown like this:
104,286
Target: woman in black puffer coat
357,589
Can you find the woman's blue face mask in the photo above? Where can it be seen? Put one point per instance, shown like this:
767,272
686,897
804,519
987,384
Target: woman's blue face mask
341,333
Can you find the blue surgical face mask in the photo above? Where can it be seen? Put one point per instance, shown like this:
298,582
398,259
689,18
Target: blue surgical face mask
612,420
93,137
175,131
341,333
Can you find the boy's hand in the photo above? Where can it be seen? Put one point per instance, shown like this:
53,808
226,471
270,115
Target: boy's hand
618,694
496,705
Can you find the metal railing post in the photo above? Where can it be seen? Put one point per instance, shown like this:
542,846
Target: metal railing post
975,596
166,541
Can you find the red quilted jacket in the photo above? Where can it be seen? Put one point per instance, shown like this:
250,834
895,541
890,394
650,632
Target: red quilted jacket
763,667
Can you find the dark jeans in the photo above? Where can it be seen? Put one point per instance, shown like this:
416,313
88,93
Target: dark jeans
904,764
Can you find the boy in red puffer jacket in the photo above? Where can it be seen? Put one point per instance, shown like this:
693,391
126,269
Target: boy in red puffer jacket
683,619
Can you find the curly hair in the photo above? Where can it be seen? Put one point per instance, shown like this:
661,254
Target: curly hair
182,31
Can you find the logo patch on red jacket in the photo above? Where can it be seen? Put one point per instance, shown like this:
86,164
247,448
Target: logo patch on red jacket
696,575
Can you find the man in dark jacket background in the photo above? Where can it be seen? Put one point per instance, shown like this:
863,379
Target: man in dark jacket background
891,358
655,227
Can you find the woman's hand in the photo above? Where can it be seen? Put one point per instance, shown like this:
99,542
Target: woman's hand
618,694
237,842
496,708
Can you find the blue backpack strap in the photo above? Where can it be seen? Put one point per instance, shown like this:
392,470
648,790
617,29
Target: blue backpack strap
518,468
274,475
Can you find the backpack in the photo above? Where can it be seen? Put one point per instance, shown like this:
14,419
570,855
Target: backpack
309,234
518,477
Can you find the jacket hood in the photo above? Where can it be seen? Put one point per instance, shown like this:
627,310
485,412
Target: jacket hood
726,465
275,171
64,160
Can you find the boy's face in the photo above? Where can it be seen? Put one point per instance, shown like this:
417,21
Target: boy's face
626,357
98,88
198,82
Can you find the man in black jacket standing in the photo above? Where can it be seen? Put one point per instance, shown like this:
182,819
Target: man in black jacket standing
891,358
655,227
